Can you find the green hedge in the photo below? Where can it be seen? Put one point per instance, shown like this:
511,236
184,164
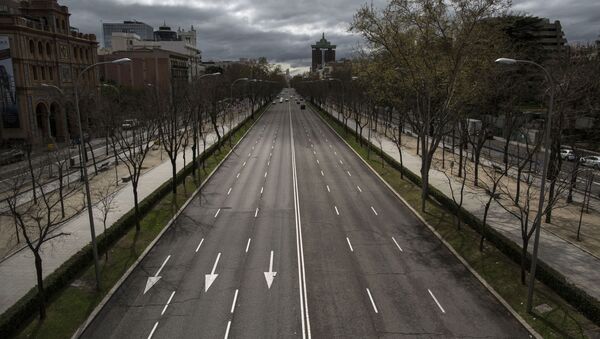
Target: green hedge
578,298
23,311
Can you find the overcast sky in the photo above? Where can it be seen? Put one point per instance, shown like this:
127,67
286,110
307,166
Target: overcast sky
283,30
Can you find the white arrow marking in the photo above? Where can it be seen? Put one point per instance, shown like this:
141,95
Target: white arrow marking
395,242
200,244
269,276
210,278
153,280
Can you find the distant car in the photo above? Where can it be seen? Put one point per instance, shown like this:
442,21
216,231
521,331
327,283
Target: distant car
280,100
591,161
286,100
129,124
302,106
567,154
274,101
11,156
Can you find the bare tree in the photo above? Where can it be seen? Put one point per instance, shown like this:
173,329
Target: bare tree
105,196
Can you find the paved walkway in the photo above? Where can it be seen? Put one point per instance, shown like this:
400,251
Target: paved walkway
578,266
17,273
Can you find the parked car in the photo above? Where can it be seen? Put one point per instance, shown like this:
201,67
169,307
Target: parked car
129,124
11,156
591,161
567,154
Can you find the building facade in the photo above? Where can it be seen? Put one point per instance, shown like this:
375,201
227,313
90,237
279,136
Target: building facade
323,52
144,31
39,47
149,66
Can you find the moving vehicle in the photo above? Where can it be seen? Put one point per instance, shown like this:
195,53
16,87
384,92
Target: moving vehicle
11,156
280,100
567,154
591,161
303,106
129,124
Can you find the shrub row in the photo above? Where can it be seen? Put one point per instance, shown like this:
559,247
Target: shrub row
23,311
578,298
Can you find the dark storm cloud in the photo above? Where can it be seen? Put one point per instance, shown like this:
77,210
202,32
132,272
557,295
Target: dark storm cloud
283,30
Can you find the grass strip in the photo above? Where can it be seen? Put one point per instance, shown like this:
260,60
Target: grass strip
502,273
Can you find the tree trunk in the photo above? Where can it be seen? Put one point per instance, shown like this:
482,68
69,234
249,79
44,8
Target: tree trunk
40,285
93,158
174,174
524,262
32,175
60,190
137,206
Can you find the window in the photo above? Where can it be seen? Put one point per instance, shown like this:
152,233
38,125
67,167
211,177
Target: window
75,53
34,72
48,50
32,47
51,73
43,72
40,48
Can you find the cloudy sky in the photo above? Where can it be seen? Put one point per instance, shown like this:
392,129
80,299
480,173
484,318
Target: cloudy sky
283,30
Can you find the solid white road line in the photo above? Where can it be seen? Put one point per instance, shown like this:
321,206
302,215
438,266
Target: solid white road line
153,329
248,244
328,190
336,210
322,174
349,244
299,246
168,302
372,301
229,192
227,330
200,244
234,300
349,173
374,211
436,301
360,190
395,242
216,214
256,213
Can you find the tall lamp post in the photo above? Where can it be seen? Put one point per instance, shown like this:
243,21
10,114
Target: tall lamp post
538,218
83,153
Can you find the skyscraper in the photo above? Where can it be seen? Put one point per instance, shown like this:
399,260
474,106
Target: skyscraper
318,60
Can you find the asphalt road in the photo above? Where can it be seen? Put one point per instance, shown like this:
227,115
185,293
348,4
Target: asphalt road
350,259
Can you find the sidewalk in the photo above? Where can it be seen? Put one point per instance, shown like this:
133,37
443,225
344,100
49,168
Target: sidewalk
17,272
577,265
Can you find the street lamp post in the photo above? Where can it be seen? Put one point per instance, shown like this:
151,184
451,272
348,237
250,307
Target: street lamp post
83,153
538,218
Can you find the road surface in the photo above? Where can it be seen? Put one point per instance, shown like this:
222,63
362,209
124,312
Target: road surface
294,237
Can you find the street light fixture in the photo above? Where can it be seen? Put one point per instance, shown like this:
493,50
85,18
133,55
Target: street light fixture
540,212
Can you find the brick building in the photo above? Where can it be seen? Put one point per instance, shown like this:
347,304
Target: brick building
38,46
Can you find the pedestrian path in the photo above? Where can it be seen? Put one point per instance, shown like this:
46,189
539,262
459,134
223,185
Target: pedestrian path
17,273
577,265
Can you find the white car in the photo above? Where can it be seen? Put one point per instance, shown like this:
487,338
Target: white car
567,154
591,161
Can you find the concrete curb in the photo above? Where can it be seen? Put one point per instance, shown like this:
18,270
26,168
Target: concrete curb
450,248
120,282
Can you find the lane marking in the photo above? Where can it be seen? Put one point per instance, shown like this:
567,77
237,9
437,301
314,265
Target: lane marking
262,189
238,175
436,301
315,153
360,190
249,154
372,301
256,213
334,152
299,246
168,302
227,330
272,147
269,163
270,155
229,192
349,173
200,244
328,190
234,300
374,211
153,329
341,162
244,164
336,210
349,244
318,162
395,242
248,244
265,174
216,214
322,174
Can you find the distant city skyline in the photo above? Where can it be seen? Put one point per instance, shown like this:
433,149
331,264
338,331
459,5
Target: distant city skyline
283,31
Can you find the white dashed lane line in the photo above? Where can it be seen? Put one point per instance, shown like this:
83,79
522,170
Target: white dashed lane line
359,189
436,301
167,304
395,242
372,301
216,214
336,210
328,190
350,244
374,211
